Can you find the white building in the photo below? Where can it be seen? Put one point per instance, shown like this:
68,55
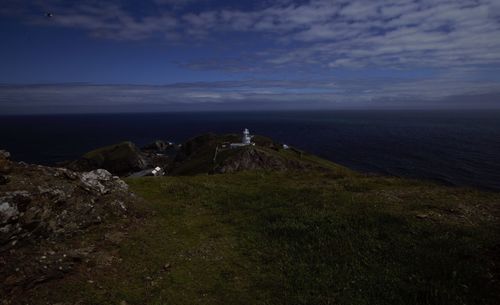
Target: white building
245,140
157,171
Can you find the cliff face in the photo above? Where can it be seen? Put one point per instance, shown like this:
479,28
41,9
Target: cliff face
42,209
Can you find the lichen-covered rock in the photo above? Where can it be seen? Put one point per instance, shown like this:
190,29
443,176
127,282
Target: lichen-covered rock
4,154
96,180
44,206
52,202
7,211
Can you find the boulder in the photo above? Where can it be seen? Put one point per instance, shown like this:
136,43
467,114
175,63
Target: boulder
94,180
8,211
4,154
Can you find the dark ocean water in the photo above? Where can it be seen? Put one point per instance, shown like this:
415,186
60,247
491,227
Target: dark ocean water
454,147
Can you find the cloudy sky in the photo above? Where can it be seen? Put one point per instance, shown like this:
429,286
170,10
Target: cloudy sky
163,55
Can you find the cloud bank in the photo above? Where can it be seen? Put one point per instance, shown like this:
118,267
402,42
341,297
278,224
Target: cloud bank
243,95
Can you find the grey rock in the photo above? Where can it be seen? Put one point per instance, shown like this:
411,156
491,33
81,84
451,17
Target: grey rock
4,154
99,174
7,211
94,180
120,184
42,208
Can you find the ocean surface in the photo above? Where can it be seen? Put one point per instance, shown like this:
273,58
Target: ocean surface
452,147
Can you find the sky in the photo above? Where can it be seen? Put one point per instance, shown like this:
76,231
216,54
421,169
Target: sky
188,55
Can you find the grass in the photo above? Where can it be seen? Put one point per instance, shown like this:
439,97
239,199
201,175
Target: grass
301,238
199,153
117,151
203,160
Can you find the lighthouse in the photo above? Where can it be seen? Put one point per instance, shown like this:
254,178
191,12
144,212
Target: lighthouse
246,140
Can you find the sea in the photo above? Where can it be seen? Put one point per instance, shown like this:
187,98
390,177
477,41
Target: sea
459,148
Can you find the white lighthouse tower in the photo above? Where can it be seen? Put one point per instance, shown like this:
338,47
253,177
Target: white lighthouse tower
246,140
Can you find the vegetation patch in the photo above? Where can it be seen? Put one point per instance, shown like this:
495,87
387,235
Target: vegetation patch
260,237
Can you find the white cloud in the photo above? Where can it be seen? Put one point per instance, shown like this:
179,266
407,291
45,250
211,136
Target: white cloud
397,33
270,94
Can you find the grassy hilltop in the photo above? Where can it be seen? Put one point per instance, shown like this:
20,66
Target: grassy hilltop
210,153
312,232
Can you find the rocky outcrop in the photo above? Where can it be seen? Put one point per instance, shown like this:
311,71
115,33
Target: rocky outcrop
4,154
124,159
42,208
99,180
251,158
120,159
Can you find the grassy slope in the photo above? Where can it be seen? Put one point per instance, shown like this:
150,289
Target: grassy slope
201,156
118,151
302,238
203,160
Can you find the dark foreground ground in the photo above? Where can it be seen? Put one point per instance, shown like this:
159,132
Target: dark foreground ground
295,238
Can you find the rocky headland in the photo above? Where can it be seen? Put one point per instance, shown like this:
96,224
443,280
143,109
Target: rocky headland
45,212
208,153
